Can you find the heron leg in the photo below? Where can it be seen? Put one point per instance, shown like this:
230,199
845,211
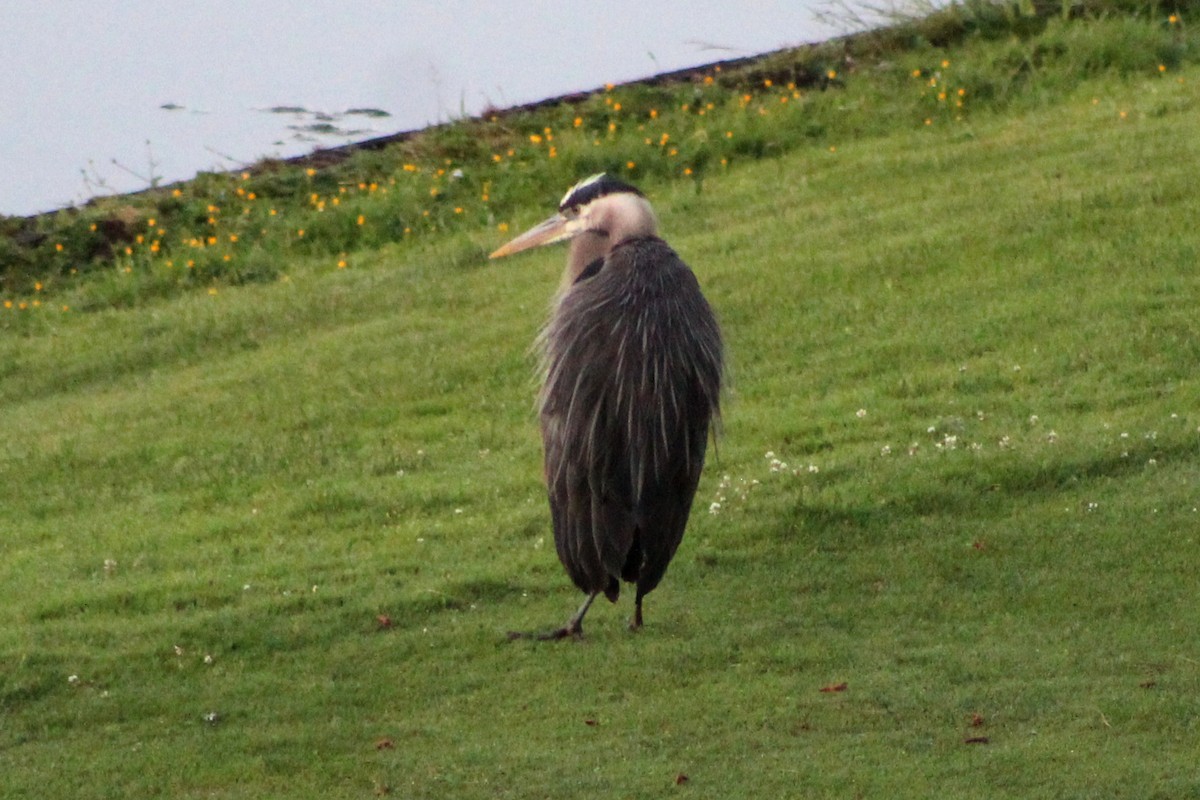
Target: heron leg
573,628
636,623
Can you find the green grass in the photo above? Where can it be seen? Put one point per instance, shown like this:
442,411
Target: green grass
970,348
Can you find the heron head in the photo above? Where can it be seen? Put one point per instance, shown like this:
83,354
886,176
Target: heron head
601,205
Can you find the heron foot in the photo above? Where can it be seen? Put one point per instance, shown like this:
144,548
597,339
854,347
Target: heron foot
567,631
572,630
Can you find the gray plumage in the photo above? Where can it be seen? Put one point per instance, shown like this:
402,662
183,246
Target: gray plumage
632,359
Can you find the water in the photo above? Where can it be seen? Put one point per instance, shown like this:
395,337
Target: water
107,97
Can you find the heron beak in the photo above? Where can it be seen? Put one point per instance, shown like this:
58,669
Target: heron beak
552,230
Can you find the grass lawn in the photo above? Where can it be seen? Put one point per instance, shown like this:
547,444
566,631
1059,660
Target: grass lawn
267,541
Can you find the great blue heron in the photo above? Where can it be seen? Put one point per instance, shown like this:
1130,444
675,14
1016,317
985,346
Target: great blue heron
632,360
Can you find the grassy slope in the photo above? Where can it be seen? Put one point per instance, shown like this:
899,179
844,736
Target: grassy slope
271,468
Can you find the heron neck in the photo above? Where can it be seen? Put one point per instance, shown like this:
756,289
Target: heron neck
585,248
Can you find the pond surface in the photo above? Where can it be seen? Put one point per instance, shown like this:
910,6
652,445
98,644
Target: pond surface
106,97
